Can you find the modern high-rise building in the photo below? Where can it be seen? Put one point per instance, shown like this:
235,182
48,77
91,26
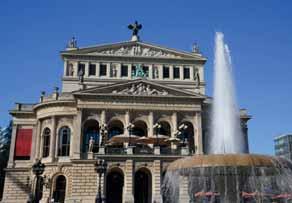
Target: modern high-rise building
283,146
136,105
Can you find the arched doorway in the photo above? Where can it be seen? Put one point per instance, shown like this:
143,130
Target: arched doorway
165,128
114,186
90,129
140,129
59,189
115,127
143,186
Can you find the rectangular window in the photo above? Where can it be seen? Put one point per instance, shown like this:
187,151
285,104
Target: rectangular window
165,72
124,70
176,74
23,144
102,70
146,71
81,69
186,73
92,69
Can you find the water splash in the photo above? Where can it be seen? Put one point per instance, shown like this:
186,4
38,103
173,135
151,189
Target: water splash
226,135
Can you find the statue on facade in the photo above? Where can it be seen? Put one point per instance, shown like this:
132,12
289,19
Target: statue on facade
91,144
135,28
197,76
72,43
195,48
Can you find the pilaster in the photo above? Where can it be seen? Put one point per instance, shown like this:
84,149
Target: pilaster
127,122
156,181
150,73
160,72
198,135
86,71
150,119
38,140
191,72
128,187
108,70
65,68
119,70
53,143
171,72
129,71
77,135
97,65
174,123
181,72
12,146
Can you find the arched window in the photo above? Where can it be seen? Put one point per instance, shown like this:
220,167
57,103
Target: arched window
115,127
140,129
60,189
46,142
64,141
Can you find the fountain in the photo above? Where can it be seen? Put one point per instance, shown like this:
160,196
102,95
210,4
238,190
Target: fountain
227,174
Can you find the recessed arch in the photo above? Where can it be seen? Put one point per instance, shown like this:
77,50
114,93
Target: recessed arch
143,192
59,188
114,185
140,128
188,135
165,128
90,129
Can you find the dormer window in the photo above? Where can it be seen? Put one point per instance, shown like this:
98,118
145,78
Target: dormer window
165,72
92,70
176,73
102,70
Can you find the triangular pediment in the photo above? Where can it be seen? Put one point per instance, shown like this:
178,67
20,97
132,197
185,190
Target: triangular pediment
135,49
139,87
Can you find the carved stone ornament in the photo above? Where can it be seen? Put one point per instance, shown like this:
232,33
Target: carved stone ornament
137,50
141,89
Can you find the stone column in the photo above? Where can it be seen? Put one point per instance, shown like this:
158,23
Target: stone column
53,141
12,146
198,134
128,196
183,189
33,144
171,72
119,70
181,72
156,190
108,70
97,65
150,73
150,119
86,71
127,122
129,71
191,72
75,68
174,123
77,135
65,67
38,140
160,72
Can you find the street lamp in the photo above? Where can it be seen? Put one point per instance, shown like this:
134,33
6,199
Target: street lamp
38,169
157,126
100,168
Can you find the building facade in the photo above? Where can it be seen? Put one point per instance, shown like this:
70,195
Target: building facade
136,105
283,146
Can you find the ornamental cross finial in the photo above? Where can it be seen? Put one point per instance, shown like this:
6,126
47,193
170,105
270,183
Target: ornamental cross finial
135,29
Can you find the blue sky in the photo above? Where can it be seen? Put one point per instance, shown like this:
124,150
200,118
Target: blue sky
259,34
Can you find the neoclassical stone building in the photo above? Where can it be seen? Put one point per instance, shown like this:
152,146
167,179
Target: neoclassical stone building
136,105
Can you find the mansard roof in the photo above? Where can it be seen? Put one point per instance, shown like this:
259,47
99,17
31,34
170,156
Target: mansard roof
139,87
134,49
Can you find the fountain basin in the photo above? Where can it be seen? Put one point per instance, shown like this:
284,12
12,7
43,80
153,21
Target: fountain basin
228,178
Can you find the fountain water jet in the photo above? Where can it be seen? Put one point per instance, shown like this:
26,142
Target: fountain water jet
227,175
226,132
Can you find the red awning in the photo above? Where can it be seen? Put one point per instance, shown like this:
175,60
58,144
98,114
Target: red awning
23,143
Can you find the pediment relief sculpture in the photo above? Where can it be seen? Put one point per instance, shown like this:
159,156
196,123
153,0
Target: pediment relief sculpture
137,50
141,89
